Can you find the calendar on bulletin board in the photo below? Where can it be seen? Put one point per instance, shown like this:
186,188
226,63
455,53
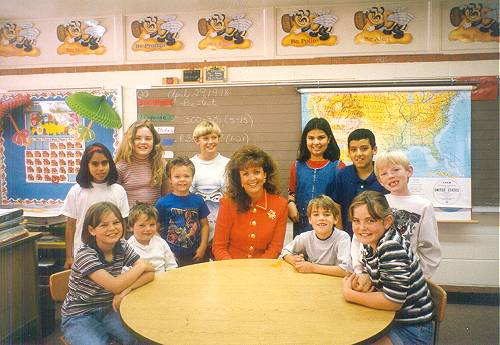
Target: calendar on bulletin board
41,145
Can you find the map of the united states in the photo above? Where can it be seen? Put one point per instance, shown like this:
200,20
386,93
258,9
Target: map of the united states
430,126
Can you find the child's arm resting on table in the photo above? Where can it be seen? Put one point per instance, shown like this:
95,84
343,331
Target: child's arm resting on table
117,284
376,300
200,251
144,278
303,266
311,267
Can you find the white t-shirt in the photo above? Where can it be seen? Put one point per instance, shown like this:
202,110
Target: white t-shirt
80,199
333,251
208,182
415,219
158,253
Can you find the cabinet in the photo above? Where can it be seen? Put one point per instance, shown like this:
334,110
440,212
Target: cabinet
19,294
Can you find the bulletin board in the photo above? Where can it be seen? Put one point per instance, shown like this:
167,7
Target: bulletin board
41,149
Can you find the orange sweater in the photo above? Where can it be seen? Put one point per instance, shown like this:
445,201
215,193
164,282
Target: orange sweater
257,233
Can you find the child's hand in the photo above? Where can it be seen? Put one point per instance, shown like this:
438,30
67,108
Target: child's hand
117,299
362,283
200,253
293,213
303,266
146,265
347,285
295,258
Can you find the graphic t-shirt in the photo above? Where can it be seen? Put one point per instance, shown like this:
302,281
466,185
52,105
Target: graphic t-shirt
180,219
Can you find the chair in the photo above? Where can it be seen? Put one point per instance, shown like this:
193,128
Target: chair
58,285
439,298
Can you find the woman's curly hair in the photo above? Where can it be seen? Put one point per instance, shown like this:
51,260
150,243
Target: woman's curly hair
243,158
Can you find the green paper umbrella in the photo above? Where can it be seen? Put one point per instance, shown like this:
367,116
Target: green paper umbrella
95,109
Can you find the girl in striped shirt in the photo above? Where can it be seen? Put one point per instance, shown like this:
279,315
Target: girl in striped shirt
398,283
140,165
89,314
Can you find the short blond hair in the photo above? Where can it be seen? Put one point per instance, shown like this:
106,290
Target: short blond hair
206,127
324,202
390,158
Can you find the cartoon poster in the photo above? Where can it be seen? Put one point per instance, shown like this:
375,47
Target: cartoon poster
39,169
306,27
474,22
18,39
156,33
382,25
223,31
81,37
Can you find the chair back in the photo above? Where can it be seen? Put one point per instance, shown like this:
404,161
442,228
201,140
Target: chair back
58,285
439,298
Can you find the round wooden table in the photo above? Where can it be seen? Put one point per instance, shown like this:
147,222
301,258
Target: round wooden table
254,301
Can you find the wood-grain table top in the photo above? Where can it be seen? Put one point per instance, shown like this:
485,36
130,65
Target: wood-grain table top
256,301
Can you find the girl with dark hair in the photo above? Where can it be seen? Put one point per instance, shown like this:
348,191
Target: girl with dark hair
314,171
96,181
89,314
252,216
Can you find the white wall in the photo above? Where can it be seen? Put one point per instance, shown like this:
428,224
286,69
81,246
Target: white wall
130,80
470,251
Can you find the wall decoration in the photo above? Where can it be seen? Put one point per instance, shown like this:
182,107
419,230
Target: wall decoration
18,39
433,128
39,170
474,22
156,33
224,32
81,38
308,28
380,25
214,74
194,75
94,109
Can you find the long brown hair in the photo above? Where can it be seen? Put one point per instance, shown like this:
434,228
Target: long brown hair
124,152
249,156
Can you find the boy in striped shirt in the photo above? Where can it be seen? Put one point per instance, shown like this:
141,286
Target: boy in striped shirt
396,275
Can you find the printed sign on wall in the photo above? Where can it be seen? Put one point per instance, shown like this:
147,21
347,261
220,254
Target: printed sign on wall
81,37
306,27
156,33
381,25
474,22
223,31
18,39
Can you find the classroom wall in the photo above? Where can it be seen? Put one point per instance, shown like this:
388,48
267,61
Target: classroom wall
470,251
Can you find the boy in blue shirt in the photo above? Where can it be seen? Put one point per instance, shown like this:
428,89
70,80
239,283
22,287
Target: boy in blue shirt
183,215
357,177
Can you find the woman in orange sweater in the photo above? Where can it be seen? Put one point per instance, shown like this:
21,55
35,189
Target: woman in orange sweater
252,215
